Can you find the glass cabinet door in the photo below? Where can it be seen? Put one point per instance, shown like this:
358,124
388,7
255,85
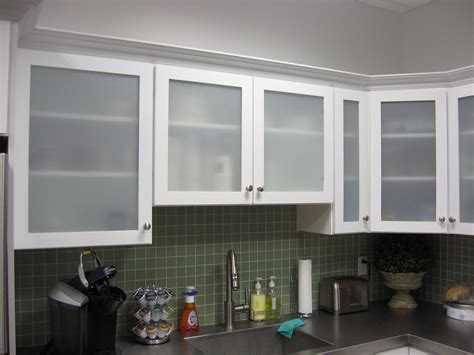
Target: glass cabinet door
410,162
82,160
293,142
203,137
351,162
461,159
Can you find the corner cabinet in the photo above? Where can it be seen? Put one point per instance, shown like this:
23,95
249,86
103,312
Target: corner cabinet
409,161
350,211
461,159
81,151
223,138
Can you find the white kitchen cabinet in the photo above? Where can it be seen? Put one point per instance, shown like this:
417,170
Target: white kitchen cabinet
203,137
293,145
230,139
409,161
81,151
352,183
350,211
461,159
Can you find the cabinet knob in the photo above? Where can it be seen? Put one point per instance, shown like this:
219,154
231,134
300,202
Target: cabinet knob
365,218
442,219
147,226
452,219
260,188
249,188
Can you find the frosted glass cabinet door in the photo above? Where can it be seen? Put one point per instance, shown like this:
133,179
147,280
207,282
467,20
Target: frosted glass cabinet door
351,205
83,169
461,159
409,165
292,142
203,137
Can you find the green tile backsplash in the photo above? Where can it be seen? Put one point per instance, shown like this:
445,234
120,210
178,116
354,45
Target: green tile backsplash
189,246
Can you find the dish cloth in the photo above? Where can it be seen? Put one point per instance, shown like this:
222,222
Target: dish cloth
286,328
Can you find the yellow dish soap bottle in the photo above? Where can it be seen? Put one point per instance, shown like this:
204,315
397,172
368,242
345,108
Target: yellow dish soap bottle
257,302
273,302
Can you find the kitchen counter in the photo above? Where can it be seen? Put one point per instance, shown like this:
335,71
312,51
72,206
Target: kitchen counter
428,321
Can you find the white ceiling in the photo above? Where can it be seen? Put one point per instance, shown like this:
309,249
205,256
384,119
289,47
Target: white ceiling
398,6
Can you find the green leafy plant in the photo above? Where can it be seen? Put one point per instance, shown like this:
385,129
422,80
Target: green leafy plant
403,254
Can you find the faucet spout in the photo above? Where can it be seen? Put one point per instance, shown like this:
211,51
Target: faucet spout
232,284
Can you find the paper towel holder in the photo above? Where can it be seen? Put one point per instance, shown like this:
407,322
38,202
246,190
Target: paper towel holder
311,314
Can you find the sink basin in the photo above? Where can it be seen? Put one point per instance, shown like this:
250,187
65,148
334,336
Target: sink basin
262,341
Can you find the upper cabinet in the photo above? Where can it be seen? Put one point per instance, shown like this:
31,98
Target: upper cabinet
351,200
461,159
409,161
293,145
203,137
81,151
230,139
350,211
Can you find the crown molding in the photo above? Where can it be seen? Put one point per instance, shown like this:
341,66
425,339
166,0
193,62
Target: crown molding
81,43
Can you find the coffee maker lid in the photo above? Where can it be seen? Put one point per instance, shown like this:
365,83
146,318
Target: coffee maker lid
67,294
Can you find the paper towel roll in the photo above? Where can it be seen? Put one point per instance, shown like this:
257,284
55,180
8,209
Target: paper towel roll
305,289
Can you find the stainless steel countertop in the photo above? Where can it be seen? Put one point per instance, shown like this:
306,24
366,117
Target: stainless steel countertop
428,321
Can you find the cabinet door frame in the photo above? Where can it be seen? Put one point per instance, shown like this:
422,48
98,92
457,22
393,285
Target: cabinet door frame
287,197
376,98
341,226
19,151
162,196
454,94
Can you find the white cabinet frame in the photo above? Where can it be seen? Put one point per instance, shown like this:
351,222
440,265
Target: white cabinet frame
376,99
19,151
162,195
300,197
341,226
454,94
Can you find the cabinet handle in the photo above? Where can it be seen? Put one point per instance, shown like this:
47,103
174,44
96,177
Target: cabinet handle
452,219
365,218
260,188
147,226
249,188
442,219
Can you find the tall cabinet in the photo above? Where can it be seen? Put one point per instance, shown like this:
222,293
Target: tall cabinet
409,161
81,151
461,159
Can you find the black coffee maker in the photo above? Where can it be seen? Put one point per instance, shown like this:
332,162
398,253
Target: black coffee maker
83,311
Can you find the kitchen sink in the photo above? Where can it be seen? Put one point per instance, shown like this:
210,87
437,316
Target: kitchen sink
262,341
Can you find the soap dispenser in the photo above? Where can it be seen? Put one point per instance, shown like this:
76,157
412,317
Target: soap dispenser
257,302
273,303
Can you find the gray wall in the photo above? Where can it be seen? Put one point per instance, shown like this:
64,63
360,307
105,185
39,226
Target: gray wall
339,34
437,37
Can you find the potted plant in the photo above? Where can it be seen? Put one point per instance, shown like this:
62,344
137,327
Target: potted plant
403,261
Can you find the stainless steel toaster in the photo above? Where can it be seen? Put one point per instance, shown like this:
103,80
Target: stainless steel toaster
344,294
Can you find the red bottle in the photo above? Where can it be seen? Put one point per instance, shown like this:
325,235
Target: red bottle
190,320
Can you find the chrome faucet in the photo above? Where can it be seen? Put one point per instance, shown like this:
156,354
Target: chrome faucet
232,284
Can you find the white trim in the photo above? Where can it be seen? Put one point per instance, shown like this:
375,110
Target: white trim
43,38
454,159
340,226
162,196
19,151
306,197
5,28
377,225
